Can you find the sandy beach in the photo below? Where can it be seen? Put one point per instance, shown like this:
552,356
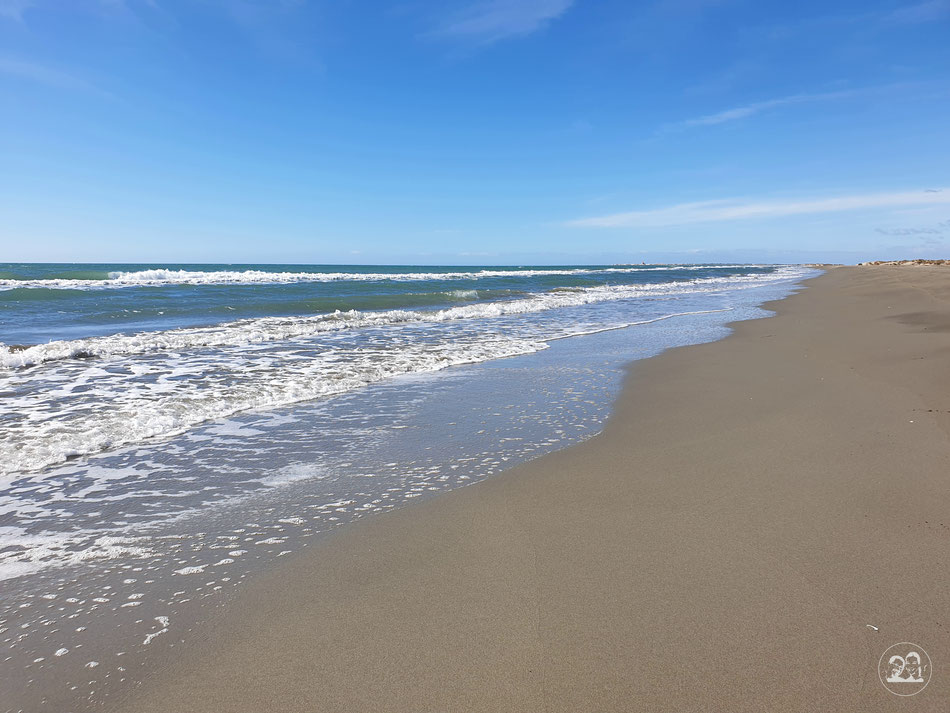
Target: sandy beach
761,518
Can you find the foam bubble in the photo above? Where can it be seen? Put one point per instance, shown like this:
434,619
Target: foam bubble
23,552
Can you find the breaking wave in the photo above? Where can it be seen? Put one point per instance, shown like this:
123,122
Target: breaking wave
161,276
269,329
77,397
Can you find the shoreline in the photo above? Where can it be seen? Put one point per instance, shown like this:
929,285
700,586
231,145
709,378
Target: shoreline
135,567
584,580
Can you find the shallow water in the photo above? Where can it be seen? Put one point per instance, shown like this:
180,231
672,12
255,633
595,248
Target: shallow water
112,557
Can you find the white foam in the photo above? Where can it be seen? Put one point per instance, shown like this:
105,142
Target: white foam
293,473
163,622
65,408
270,329
161,276
27,552
199,569
129,414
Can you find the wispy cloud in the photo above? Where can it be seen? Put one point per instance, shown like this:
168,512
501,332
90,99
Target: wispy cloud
929,11
904,232
747,110
869,18
34,72
938,229
13,9
494,20
727,210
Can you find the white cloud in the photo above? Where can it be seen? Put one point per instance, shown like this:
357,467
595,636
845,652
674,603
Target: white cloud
735,209
495,20
741,112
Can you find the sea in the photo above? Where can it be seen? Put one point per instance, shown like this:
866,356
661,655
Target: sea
167,431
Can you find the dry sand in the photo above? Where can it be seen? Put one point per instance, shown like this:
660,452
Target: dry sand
750,508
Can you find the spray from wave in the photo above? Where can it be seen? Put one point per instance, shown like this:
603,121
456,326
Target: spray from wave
161,276
269,329
76,397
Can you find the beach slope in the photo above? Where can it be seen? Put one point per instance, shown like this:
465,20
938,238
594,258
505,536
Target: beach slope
752,509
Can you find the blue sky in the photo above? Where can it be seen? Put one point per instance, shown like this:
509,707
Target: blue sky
473,131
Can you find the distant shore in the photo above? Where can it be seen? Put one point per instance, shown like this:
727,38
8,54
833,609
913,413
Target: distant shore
761,518
918,261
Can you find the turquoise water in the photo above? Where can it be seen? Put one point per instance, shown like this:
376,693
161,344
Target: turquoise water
168,431
43,302
96,357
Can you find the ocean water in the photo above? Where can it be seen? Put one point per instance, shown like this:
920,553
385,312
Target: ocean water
168,430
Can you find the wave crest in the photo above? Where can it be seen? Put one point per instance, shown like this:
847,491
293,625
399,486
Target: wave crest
268,329
158,277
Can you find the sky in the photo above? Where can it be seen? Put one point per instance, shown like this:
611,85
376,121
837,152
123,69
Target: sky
473,131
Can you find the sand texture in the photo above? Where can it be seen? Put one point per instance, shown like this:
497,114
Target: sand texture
751,507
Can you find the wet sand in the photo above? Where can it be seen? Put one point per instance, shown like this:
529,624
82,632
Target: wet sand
751,507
